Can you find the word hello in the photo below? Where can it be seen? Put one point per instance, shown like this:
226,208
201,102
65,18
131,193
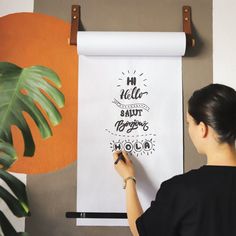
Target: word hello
137,146
134,93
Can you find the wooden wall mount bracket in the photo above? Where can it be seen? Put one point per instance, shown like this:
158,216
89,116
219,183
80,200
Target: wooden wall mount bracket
187,26
75,20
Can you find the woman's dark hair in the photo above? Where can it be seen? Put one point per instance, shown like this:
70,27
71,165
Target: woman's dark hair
215,105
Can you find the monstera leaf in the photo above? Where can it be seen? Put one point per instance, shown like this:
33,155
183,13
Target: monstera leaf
17,202
7,227
7,155
30,90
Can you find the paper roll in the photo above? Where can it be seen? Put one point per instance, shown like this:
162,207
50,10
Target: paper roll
94,43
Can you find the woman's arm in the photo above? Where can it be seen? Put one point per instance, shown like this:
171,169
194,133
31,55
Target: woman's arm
134,209
133,206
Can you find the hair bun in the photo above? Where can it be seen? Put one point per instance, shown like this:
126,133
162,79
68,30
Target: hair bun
234,120
215,105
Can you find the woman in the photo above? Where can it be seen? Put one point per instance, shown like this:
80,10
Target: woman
201,202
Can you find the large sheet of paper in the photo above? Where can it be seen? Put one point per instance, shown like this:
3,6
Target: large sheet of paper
129,100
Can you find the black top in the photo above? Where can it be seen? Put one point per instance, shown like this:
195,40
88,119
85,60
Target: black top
200,202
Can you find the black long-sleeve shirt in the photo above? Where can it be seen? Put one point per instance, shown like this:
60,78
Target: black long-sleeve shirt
201,202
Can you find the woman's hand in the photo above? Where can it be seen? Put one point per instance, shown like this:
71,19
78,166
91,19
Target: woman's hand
134,208
124,169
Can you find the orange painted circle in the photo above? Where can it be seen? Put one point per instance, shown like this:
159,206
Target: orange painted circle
28,39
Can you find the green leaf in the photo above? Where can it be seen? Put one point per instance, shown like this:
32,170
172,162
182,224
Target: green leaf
7,155
23,90
23,234
7,227
15,206
18,203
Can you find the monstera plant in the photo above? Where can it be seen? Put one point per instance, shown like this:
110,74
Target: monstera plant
32,90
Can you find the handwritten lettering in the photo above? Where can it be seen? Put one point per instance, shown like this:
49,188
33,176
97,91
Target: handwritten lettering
130,113
131,80
121,125
133,93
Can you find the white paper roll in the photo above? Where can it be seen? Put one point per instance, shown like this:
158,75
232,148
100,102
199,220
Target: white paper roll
131,43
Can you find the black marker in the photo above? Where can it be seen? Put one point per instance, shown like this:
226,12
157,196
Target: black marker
97,215
120,157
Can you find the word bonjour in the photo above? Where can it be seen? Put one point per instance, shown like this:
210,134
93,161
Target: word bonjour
121,125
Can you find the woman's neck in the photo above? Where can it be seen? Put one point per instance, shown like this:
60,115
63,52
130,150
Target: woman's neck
222,154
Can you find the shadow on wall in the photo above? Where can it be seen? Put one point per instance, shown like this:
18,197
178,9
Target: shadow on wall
144,180
199,47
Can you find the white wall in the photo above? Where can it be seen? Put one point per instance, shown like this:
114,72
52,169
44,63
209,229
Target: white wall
224,46
8,7
12,6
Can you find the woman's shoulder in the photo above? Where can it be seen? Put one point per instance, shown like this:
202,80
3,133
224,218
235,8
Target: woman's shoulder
188,181
190,175
204,175
181,188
